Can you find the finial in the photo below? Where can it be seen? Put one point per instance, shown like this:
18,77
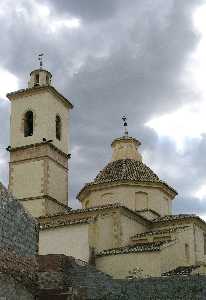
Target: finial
125,126
40,58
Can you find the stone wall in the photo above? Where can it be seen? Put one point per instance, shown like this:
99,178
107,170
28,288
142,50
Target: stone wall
170,288
18,230
12,290
18,246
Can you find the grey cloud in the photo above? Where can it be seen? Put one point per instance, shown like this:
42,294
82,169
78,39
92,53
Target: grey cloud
125,59
87,9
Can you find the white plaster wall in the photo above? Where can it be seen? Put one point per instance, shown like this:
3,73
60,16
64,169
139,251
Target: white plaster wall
119,265
45,106
27,179
158,200
173,255
57,182
71,240
35,207
104,238
130,227
199,240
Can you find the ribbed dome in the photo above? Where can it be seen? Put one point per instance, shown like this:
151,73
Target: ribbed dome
126,170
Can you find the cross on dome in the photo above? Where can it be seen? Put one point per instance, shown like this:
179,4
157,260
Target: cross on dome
125,126
40,58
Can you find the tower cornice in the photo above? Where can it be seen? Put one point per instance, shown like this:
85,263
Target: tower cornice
35,145
30,91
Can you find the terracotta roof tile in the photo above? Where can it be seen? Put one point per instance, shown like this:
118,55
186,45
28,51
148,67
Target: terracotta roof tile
159,231
82,210
68,218
128,170
125,170
63,222
183,270
174,217
144,247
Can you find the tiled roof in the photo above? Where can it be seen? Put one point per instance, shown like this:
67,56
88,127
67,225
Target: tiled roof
81,210
126,169
146,210
174,217
63,222
184,270
144,247
160,231
68,218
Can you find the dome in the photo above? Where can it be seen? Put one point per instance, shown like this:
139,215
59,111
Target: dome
126,170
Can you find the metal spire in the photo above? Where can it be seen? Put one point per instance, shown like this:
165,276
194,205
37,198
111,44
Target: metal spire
125,126
40,58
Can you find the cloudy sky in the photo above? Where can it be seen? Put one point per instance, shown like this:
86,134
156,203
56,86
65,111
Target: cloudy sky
145,59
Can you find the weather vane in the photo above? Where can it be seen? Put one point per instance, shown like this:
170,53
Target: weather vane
125,126
40,58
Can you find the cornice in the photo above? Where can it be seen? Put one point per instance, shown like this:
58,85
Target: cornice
93,186
40,144
179,219
94,211
34,90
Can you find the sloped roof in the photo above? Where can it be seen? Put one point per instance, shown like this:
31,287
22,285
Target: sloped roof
143,247
159,231
127,170
182,270
174,217
74,216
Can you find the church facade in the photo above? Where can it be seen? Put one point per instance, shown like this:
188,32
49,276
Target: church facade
126,219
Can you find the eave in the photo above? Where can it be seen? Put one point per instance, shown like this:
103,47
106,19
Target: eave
98,186
29,91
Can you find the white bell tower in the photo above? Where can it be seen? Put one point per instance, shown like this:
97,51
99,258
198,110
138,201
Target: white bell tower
39,148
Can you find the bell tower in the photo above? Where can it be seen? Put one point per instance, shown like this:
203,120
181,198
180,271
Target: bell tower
39,146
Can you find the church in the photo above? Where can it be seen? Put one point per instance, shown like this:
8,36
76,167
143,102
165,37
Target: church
126,221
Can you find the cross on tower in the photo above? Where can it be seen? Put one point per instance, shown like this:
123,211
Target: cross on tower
125,126
40,58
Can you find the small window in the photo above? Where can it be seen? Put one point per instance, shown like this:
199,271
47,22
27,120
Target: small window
204,235
87,204
141,200
58,127
37,79
187,252
28,123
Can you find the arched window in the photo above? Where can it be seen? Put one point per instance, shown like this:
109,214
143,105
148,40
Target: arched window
87,204
28,123
187,252
58,127
37,79
141,200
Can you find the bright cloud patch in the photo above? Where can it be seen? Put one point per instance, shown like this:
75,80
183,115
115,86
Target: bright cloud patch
198,64
42,15
9,83
59,24
201,193
189,120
